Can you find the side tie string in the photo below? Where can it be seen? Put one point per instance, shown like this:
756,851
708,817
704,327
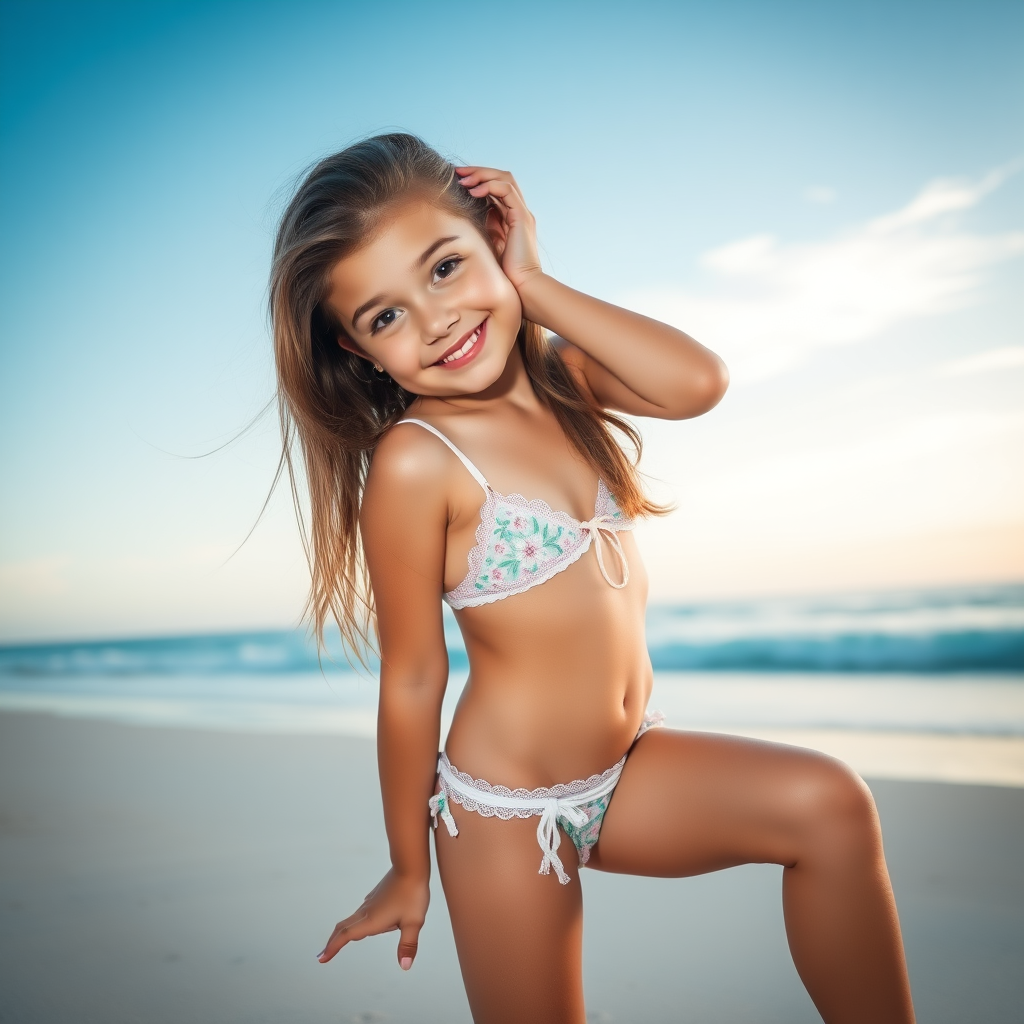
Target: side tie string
549,838
439,805
601,531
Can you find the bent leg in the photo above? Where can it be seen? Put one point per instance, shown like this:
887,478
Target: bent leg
519,934
688,803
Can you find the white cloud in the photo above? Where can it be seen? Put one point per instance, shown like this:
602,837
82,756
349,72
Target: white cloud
772,303
897,452
1010,357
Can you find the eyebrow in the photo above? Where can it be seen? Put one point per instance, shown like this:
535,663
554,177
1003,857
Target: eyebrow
428,252
437,245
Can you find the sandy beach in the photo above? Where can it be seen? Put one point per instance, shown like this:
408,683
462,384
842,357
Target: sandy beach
159,875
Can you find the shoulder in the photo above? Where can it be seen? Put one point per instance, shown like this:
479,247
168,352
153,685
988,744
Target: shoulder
409,464
409,452
404,515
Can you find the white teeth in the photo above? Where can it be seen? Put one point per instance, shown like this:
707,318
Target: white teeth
470,342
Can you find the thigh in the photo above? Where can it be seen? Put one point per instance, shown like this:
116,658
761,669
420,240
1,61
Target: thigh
691,802
519,934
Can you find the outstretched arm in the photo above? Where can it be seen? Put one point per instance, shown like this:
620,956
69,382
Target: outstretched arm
403,521
628,362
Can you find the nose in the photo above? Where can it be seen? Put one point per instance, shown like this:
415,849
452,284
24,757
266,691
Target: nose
439,319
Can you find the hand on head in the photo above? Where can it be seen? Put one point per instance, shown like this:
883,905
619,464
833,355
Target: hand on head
514,224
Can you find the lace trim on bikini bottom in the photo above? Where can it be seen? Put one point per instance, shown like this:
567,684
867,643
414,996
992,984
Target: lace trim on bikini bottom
576,805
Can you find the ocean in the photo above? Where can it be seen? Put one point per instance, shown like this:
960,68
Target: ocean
940,660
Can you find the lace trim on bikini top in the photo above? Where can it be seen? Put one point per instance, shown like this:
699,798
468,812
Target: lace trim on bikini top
521,543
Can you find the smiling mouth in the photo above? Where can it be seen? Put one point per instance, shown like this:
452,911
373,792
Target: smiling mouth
464,349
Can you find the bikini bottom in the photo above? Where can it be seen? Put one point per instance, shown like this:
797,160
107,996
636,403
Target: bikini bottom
579,807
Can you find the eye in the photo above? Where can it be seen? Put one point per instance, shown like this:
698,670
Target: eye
385,319
447,267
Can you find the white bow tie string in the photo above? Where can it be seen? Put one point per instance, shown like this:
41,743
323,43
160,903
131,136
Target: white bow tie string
600,530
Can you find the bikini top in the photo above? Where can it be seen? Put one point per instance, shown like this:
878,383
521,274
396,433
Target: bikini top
522,543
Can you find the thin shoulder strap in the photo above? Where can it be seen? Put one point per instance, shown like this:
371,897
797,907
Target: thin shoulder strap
463,458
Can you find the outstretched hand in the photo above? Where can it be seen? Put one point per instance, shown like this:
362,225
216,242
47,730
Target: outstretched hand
519,257
394,904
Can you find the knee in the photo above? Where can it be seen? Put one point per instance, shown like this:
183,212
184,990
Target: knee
835,807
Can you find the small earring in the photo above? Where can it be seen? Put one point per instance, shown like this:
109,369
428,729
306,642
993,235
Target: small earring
380,373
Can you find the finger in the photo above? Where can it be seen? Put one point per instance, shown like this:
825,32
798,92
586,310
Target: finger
498,185
470,176
503,192
494,187
477,171
408,944
352,929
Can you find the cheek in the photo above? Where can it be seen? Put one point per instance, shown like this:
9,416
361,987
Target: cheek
494,291
404,356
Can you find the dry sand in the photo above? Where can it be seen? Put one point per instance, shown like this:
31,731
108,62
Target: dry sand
163,875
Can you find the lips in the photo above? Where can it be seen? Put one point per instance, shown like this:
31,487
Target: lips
465,349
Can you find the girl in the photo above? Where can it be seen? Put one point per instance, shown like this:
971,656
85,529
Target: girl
441,428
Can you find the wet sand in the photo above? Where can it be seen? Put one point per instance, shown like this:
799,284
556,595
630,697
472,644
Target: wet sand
165,875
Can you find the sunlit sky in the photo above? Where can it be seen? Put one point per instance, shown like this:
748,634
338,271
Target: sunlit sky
830,195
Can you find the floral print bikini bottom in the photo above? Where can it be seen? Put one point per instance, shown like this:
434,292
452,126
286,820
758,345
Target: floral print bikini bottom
578,807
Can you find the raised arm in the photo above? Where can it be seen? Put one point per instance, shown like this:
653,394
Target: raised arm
403,522
629,362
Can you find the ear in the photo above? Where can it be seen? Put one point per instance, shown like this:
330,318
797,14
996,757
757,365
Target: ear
350,346
497,230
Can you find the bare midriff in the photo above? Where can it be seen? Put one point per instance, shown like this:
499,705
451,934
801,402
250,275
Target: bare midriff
559,678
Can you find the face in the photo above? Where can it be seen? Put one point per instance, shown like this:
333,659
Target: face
427,300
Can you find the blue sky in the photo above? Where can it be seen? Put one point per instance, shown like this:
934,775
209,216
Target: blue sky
739,169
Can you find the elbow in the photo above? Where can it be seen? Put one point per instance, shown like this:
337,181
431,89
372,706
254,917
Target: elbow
717,384
702,390
419,673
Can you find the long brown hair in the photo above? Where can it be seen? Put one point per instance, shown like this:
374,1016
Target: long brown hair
337,409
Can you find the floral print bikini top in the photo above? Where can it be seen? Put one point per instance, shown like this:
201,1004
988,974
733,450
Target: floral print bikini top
522,543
